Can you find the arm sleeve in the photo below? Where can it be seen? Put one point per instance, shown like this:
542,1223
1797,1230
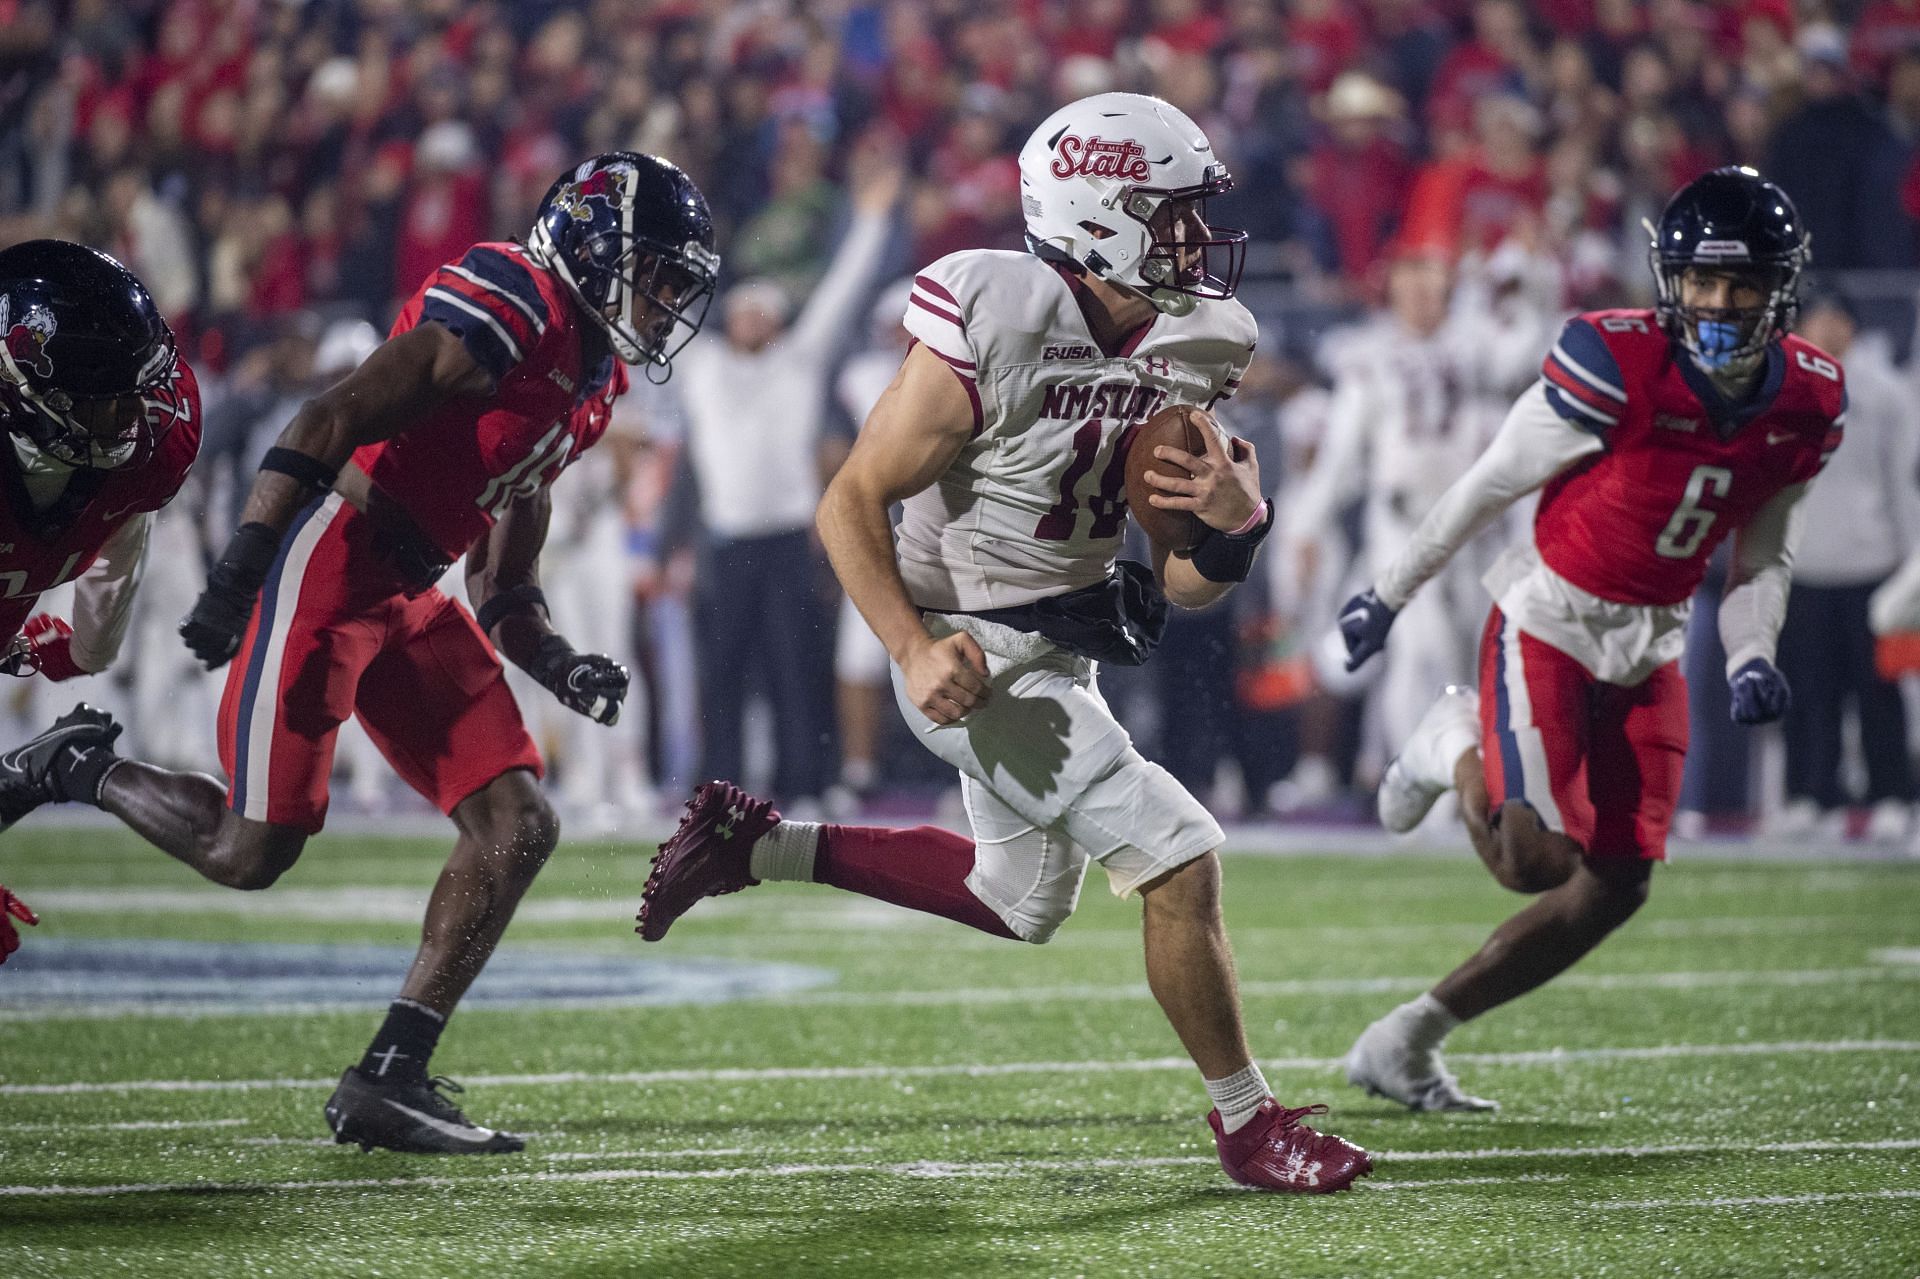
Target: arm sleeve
832,311
1535,443
489,300
103,597
1758,578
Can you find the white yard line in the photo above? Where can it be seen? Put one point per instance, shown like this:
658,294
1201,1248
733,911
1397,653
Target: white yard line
723,1075
1761,1201
1002,996
133,1125
921,1169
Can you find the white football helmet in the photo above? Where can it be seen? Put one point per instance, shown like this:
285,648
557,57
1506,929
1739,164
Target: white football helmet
1095,178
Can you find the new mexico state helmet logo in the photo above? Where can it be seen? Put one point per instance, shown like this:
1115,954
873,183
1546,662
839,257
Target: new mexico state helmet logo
1099,158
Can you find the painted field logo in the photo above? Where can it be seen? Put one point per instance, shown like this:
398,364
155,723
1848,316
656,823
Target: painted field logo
176,976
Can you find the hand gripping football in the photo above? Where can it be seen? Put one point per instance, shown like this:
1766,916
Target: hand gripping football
1178,426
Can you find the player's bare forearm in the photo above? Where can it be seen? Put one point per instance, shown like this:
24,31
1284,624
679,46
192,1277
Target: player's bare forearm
858,538
508,560
400,383
919,426
1182,583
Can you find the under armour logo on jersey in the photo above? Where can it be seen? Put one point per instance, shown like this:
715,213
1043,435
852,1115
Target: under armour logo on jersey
724,829
1157,365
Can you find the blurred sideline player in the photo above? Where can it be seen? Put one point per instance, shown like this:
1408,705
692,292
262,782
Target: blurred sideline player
103,422
1002,432
859,658
498,373
1408,416
1656,434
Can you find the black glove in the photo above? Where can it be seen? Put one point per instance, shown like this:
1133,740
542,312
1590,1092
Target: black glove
587,683
1364,624
219,617
1758,693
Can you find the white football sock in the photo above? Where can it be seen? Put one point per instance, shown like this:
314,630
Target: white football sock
1424,1021
785,852
1238,1096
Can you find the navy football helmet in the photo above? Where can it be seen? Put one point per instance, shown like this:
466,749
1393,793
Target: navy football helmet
624,226
1729,220
86,361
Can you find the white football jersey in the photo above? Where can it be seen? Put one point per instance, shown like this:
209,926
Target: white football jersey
1035,504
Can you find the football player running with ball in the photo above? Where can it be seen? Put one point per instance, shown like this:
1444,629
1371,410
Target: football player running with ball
1655,434
499,372
103,422
1004,434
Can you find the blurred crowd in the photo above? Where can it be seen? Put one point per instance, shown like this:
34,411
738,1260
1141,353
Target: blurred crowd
1443,180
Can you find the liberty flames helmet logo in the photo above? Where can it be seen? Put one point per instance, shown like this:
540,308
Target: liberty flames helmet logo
1099,158
607,185
26,339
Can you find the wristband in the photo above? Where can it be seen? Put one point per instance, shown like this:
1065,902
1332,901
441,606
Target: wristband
311,472
1228,557
552,653
519,599
243,565
1258,518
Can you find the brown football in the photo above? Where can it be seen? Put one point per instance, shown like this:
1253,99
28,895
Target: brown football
1178,426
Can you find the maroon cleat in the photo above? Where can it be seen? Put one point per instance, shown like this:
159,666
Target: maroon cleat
1275,1151
707,856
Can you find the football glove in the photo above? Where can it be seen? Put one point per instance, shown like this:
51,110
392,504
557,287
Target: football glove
12,908
44,646
587,683
1364,624
1760,693
220,616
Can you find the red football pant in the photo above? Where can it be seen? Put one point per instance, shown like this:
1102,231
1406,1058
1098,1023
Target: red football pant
1600,762
333,636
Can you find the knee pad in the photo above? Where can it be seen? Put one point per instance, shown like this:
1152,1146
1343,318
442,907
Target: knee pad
1030,879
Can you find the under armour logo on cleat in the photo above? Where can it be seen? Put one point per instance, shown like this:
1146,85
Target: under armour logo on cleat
734,814
1299,1171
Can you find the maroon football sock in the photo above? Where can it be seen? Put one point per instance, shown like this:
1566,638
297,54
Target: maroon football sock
925,869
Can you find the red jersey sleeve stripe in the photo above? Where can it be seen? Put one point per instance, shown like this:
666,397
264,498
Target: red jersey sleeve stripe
935,289
1573,386
1587,356
940,311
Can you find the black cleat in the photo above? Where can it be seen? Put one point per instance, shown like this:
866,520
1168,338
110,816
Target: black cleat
31,774
411,1116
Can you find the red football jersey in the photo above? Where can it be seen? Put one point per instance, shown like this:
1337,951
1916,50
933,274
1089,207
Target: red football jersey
41,549
460,468
1682,467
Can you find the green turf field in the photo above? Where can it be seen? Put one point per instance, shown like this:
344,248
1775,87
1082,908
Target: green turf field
1730,1087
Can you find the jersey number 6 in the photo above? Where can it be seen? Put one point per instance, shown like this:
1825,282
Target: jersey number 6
1688,526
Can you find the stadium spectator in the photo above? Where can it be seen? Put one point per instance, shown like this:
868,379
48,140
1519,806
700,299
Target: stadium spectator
758,398
1862,520
1840,163
1359,176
